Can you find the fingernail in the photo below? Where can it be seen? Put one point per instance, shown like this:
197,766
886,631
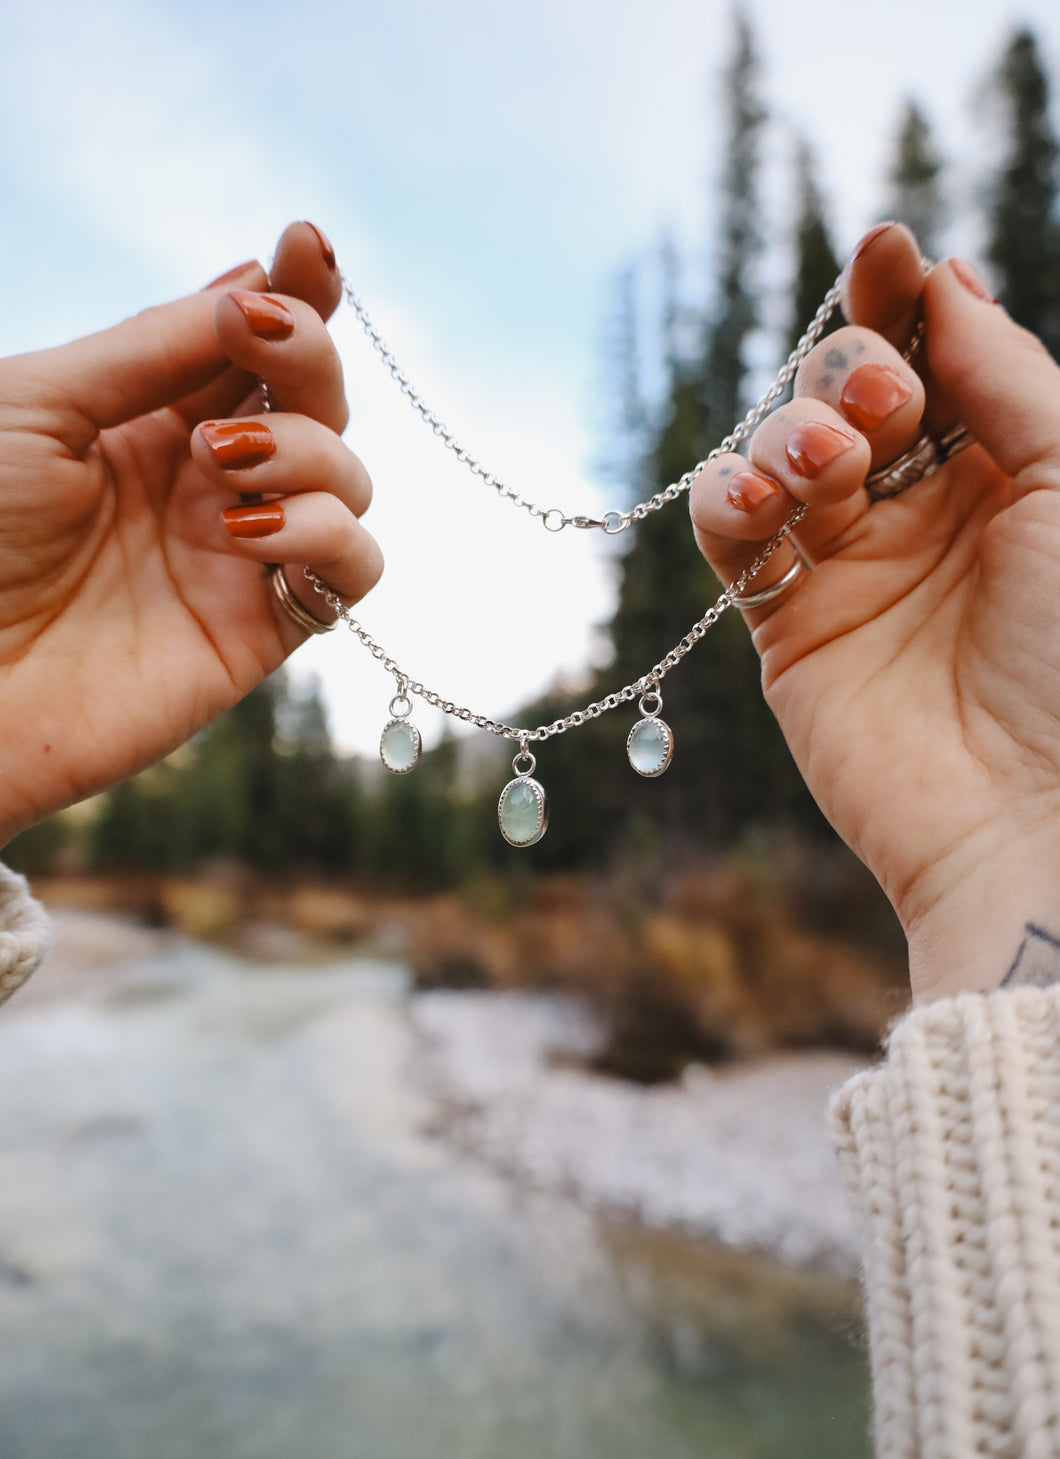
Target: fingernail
325,244
267,317
237,444
748,490
812,446
871,394
256,521
870,238
232,274
971,280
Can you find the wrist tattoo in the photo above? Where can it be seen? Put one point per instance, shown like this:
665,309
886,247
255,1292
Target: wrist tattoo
1037,964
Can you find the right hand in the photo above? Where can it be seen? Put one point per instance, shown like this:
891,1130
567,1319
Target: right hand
916,671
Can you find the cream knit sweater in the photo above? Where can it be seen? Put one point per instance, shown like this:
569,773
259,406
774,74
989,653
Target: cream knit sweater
24,933
950,1150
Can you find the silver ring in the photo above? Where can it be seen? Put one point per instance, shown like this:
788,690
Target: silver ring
292,607
922,459
766,595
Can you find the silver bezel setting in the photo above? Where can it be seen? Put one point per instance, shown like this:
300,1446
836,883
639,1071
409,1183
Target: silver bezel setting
400,769
542,810
669,734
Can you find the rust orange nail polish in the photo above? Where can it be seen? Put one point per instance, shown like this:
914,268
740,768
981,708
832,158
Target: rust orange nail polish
238,444
268,317
971,280
232,274
260,520
748,490
813,445
325,245
871,394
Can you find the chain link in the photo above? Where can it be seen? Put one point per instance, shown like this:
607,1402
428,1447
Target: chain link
612,522
647,683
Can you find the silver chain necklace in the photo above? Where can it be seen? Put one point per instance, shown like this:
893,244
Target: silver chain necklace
522,809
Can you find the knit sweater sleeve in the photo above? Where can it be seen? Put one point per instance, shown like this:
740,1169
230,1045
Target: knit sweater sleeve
950,1150
24,935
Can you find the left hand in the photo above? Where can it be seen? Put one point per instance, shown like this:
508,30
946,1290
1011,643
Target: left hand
130,615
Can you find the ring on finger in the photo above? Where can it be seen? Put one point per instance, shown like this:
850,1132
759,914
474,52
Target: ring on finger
292,607
922,459
775,590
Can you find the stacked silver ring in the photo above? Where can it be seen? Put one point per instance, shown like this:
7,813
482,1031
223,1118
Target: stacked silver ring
923,458
292,607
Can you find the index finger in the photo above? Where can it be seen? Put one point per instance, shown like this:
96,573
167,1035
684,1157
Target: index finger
151,360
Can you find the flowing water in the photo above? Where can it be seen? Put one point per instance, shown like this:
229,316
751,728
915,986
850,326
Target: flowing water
232,1227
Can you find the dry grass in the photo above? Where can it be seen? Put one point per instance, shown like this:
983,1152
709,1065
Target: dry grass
719,966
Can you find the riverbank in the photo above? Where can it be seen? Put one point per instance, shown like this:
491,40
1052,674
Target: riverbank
239,1218
735,1154
735,961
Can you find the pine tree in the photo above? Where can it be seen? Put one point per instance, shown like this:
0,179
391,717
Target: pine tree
1024,246
137,828
239,764
260,786
316,794
672,314
734,317
730,766
816,265
629,411
915,195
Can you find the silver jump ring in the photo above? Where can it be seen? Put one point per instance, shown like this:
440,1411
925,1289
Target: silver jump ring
292,607
921,460
766,595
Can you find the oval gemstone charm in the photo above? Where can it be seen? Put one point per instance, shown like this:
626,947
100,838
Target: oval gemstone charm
399,746
522,812
650,746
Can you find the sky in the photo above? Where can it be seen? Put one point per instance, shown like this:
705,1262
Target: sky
486,173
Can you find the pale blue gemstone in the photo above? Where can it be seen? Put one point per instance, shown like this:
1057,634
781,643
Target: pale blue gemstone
399,746
650,746
522,812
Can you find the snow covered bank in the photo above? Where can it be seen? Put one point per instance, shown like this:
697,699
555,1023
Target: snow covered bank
737,1155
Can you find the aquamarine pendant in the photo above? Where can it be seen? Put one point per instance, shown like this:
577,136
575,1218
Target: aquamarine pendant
650,746
522,811
399,744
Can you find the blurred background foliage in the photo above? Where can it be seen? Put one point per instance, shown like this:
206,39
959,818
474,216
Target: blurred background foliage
263,789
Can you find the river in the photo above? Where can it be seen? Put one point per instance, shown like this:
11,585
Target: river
233,1225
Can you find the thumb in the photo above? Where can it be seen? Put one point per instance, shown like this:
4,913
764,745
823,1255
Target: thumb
1002,381
151,360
